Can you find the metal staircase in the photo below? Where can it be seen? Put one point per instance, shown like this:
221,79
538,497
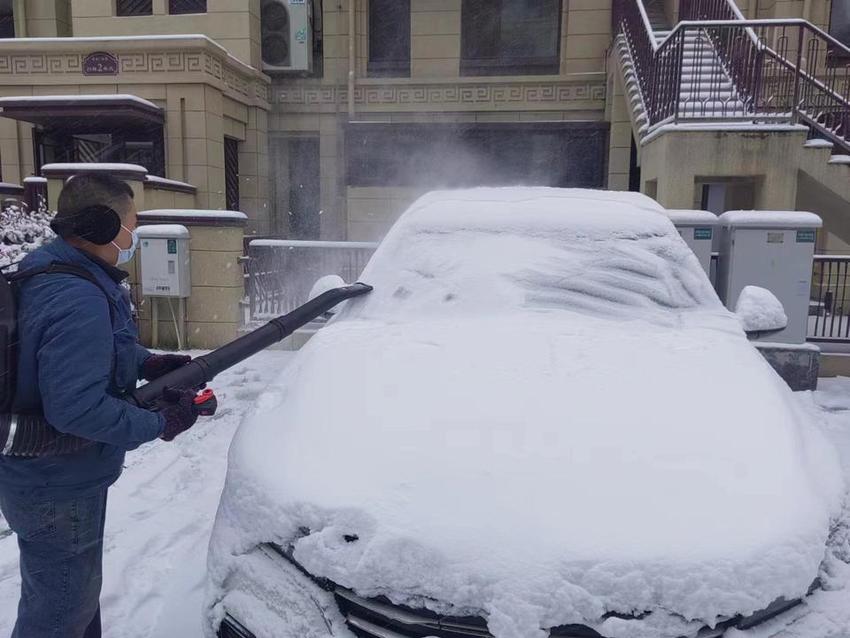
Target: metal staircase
716,66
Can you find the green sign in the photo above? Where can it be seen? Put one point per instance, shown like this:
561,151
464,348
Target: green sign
172,246
806,237
703,233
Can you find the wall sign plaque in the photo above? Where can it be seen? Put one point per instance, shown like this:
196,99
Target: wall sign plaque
100,63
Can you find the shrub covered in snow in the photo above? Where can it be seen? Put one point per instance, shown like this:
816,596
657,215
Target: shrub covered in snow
22,232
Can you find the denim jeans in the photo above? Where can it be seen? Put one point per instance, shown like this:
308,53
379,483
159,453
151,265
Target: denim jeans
61,545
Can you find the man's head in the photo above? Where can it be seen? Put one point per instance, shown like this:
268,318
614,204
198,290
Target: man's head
97,214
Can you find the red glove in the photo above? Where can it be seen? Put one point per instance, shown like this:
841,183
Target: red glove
157,365
179,412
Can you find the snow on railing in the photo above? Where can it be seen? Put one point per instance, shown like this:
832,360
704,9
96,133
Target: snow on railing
717,66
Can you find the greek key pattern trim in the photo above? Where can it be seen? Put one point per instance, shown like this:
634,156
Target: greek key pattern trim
137,62
493,95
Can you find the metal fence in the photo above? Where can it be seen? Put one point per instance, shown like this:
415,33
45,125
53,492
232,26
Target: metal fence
829,309
717,66
280,273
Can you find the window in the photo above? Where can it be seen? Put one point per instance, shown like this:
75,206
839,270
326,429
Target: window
389,38
134,7
231,173
510,37
839,26
558,154
304,188
7,19
176,7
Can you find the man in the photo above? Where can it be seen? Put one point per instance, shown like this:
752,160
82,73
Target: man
78,354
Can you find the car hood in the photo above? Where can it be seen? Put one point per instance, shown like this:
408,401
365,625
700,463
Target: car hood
541,472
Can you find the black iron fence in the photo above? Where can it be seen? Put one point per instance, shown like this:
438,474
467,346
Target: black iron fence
715,65
280,273
829,308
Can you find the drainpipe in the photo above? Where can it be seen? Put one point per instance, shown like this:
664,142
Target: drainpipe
20,14
352,61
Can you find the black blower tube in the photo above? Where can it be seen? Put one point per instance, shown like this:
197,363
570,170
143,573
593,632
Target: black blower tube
204,369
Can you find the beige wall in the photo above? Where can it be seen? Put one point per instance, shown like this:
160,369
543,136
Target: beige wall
434,92
206,96
816,11
673,163
213,310
235,24
44,18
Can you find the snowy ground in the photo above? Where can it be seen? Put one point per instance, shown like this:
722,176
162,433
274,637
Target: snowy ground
160,517
162,509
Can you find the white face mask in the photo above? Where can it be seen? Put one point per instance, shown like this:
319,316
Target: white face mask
126,254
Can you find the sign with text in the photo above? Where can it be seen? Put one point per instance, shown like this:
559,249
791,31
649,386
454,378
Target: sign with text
100,63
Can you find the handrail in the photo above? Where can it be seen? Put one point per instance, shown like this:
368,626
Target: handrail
647,24
775,70
765,22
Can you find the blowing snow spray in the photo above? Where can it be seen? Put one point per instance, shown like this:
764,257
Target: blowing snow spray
32,436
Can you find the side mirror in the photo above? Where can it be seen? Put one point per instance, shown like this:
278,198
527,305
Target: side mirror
760,312
322,285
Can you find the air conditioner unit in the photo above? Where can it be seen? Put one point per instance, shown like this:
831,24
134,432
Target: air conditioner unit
287,34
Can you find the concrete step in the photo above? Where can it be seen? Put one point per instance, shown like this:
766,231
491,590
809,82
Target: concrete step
819,143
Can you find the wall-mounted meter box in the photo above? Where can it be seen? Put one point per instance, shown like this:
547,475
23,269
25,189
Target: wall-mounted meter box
773,250
164,254
697,228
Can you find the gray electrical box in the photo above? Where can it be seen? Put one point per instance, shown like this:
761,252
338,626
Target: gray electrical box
697,228
773,250
165,261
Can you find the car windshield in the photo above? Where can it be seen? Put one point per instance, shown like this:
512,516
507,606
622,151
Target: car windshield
542,264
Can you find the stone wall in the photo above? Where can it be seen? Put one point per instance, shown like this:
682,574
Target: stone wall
213,310
206,95
435,92
234,25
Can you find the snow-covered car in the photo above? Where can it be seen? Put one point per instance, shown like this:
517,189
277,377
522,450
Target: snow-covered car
542,422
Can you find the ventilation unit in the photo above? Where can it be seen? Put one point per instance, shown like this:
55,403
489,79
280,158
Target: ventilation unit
287,30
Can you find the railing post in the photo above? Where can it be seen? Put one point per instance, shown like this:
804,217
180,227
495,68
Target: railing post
679,62
797,77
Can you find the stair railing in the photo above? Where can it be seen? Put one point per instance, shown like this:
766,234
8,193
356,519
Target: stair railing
782,71
656,70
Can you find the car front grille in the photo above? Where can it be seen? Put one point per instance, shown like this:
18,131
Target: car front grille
380,618
369,618
230,628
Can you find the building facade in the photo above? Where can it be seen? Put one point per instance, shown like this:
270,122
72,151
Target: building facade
324,119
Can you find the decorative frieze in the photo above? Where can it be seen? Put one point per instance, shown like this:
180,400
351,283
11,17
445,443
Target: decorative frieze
135,62
552,95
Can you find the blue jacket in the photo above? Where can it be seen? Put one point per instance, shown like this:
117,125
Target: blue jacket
76,359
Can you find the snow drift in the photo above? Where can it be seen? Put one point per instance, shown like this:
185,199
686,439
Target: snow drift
541,415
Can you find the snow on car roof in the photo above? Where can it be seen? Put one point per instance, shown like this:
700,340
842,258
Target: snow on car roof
613,255
537,210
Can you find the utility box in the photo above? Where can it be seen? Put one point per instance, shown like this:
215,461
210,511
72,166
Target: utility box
165,261
774,250
697,228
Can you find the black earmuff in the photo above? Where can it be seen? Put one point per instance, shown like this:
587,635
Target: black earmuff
98,224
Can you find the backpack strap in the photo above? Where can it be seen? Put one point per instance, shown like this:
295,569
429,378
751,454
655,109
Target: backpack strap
62,268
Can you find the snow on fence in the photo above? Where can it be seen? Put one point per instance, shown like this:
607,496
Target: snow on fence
280,272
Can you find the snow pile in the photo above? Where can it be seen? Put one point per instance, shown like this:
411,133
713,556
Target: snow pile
524,422
21,233
760,310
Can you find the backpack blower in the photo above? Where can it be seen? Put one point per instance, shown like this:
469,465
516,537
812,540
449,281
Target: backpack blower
24,435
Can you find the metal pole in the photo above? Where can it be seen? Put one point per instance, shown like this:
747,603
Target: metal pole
181,309
796,112
352,60
154,323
